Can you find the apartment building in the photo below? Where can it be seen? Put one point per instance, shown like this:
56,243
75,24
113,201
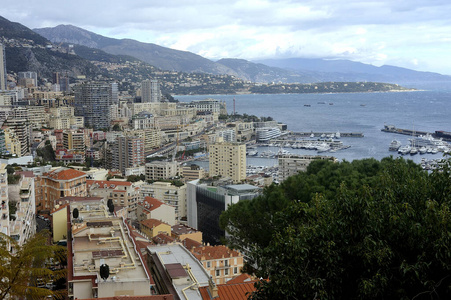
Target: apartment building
22,130
63,118
221,262
75,140
193,172
127,152
176,271
170,194
93,101
58,183
122,193
154,227
110,242
12,142
23,195
150,91
158,170
151,208
228,160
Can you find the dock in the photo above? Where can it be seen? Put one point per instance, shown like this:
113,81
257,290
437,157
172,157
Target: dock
326,134
411,132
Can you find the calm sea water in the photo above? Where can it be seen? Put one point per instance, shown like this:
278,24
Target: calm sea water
428,109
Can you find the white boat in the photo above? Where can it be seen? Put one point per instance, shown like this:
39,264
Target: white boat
422,150
394,145
253,153
312,135
434,151
413,151
338,135
404,150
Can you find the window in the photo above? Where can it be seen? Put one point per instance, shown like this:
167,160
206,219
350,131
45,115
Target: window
208,264
235,270
226,263
226,271
218,273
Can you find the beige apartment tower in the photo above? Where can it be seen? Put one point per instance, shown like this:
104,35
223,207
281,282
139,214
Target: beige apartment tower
228,160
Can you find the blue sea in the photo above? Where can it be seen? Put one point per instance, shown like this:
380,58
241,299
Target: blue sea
427,109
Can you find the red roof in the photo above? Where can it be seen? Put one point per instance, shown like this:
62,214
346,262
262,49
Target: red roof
151,223
162,238
244,277
190,243
239,291
65,174
153,297
152,203
214,252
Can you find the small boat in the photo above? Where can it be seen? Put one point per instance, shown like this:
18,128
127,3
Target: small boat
321,102
422,150
362,104
413,151
253,153
307,105
312,135
331,103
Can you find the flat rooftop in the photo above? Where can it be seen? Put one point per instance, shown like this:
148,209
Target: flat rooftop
174,256
106,241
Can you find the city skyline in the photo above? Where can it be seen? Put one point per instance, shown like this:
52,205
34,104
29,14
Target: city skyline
410,34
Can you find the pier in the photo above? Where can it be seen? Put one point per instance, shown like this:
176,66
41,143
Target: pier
411,132
327,134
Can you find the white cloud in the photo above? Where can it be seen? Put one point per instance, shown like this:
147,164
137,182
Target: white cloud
411,33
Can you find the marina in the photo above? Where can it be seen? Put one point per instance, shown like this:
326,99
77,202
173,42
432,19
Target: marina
428,109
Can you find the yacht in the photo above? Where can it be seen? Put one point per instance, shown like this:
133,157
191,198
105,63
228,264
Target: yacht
404,150
422,150
394,145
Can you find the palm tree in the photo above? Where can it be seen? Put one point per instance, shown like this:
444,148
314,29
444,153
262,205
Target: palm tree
24,269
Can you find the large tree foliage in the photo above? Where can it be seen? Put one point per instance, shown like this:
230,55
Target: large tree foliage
27,266
361,230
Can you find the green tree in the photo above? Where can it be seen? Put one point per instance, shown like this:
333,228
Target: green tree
25,267
384,233
117,127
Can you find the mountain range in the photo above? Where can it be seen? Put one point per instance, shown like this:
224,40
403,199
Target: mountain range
272,70
94,47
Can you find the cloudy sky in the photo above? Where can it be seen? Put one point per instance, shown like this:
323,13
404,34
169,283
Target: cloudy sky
415,34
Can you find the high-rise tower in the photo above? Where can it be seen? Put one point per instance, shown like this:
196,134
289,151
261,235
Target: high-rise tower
150,91
93,101
2,67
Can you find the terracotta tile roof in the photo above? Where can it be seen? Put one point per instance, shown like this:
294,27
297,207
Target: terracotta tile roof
190,243
153,297
162,238
180,229
151,203
214,252
244,277
65,174
151,223
239,291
